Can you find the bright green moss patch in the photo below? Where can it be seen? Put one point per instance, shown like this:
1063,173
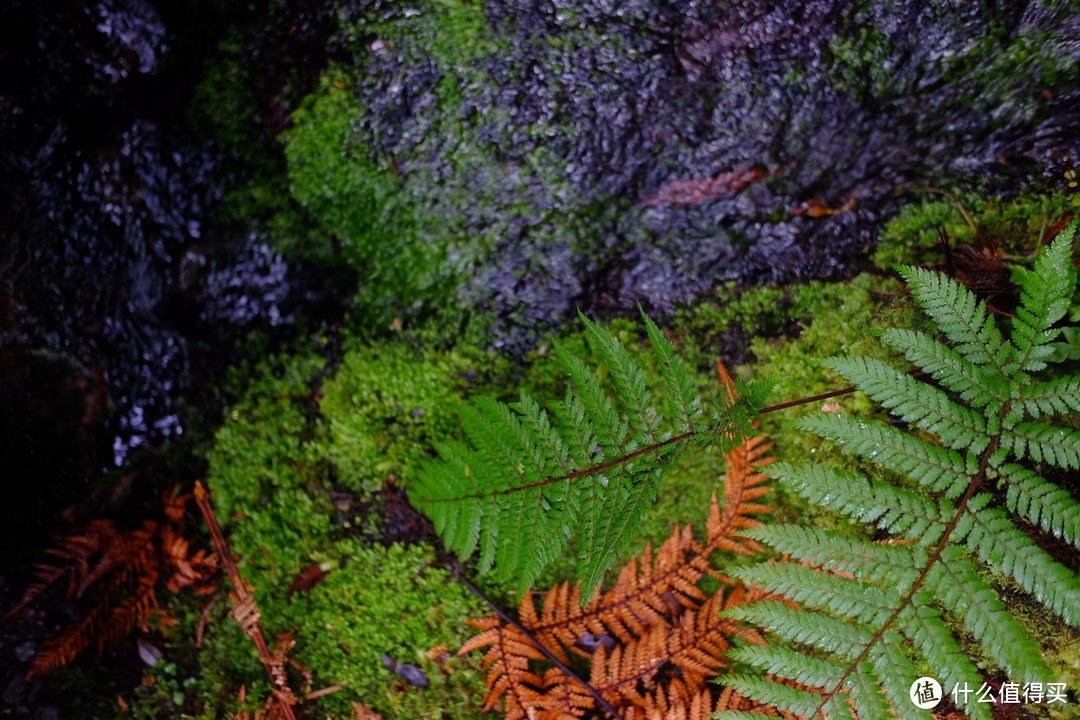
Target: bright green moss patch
267,456
277,493
396,601
388,405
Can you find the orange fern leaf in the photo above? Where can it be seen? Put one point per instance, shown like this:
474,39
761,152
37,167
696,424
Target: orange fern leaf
656,616
677,702
131,562
507,666
66,646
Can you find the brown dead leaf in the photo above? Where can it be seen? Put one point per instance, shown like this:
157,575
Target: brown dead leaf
695,190
306,579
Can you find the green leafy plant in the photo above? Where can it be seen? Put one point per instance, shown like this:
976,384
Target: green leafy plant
527,479
959,507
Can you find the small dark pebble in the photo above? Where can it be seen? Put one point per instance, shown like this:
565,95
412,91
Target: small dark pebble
412,675
589,642
417,411
26,651
388,661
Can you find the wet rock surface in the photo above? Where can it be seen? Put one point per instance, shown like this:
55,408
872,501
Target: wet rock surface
120,291
589,107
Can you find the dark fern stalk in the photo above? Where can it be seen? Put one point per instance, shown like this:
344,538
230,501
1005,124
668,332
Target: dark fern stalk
527,479
872,611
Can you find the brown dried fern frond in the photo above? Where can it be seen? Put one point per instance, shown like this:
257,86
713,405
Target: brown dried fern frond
129,564
696,645
655,620
82,557
507,667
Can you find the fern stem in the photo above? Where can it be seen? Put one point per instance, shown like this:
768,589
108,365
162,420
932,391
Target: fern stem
577,473
955,201
600,701
805,401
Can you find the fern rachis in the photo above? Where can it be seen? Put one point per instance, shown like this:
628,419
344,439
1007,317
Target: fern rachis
949,506
526,479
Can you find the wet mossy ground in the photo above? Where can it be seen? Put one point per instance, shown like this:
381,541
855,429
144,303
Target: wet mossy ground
477,170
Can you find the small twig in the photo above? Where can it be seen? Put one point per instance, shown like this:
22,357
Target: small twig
325,691
244,597
604,704
955,201
204,620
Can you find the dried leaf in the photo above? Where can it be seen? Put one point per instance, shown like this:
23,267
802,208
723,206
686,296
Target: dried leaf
695,190
365,713
306,579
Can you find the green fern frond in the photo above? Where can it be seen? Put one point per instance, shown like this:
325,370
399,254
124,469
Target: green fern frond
1049,398
949,368
941,469
958,585
917,403
890,658
948,500
994,538
793,700
863,602
790,664
1044,298
897,566
865,689
1043,443
526,480
825,633
905,513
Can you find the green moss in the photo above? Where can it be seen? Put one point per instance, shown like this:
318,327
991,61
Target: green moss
267,455
396,601
1014,225
272,484
223,103
346,193
389,404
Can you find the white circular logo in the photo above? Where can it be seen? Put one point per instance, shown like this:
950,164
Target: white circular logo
925,693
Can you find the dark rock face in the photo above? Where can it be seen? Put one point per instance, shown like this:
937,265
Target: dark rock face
589,107
119,293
